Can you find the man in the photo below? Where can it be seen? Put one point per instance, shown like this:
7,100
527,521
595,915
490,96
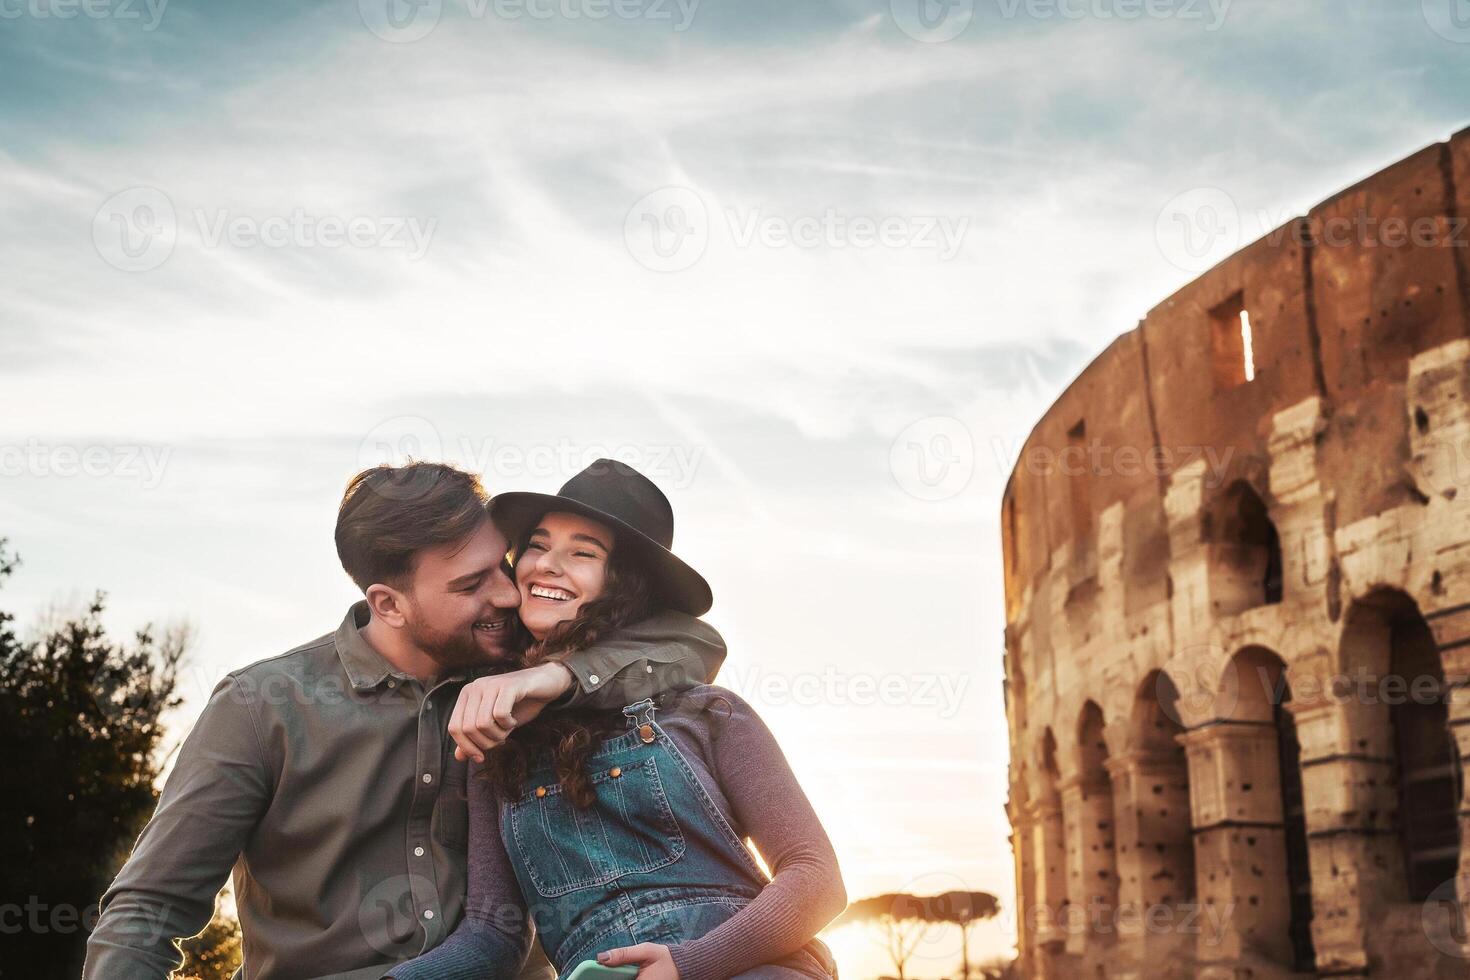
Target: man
324,777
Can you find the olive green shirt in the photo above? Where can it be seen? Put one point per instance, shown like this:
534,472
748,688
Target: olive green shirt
326,781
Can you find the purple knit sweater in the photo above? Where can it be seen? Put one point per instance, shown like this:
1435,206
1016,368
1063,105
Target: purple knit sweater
738,762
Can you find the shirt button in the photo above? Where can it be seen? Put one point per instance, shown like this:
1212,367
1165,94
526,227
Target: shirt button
392,683
428,777
418,852
428,913
591,678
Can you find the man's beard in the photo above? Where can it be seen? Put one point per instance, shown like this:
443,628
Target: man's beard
454,649
449,649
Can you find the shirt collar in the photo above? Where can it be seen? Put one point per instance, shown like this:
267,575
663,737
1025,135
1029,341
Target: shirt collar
366,668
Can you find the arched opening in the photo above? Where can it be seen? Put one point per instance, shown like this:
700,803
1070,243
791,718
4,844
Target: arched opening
1245,551
1050,853
1428,763
1092,870
1162,837
1387,641
1261,706
1049,758
1294,814
1092,747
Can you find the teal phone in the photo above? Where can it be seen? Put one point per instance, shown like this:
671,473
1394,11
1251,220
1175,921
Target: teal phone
593,970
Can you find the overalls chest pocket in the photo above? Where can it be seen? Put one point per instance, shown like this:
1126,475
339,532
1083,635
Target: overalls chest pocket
630,829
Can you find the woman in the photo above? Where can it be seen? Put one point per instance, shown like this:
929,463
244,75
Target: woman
620,833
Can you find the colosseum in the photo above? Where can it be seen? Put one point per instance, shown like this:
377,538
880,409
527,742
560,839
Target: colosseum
1237,576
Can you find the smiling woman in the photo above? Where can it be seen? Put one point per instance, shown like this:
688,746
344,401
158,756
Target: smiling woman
562,566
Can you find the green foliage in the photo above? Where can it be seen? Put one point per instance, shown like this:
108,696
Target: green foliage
80,719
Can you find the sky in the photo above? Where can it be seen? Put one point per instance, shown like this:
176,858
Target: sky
814,267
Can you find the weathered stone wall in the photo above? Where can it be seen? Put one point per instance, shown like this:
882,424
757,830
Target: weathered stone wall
1215,589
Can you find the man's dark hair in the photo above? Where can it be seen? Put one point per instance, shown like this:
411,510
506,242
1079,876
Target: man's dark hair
391,513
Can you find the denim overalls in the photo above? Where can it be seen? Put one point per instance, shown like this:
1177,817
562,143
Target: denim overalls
653,860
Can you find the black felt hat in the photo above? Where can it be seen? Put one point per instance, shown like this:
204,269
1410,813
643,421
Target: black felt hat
617,495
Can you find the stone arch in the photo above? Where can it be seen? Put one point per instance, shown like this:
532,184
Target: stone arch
1087,803
1151,806
1092,747
1385,634
1251,829
1245,566
1395,703
1050,772
1049,850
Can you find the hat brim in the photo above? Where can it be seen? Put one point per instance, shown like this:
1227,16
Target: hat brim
678,584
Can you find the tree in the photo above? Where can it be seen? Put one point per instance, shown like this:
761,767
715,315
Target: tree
963,909
80,718
902,919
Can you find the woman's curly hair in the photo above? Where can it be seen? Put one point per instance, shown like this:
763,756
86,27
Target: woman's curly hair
573,734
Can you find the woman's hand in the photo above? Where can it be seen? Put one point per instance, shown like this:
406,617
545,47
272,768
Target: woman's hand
653,960
490,707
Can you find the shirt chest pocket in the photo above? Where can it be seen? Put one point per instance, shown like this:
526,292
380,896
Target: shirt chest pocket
451,812
630,829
